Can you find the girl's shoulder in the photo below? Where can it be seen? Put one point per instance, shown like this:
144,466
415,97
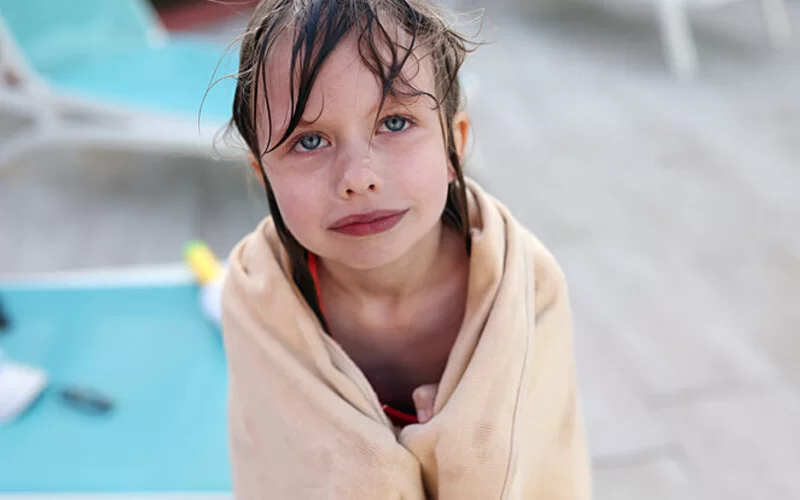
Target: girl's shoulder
257,269
494,224
550,283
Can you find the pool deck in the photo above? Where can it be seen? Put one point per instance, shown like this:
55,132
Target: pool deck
673,208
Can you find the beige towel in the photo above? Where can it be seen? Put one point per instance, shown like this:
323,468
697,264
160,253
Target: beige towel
306,424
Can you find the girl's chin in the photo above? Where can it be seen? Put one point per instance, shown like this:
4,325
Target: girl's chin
365,255
365,259
374,252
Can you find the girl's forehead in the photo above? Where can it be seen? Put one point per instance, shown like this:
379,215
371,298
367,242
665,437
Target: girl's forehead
343,75
278,64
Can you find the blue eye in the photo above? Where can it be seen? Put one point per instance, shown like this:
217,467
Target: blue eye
396,123
309,143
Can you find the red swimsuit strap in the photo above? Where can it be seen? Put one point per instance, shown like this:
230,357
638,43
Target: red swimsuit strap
312,268
397,417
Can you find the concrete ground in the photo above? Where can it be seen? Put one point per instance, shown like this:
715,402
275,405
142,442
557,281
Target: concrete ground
674,209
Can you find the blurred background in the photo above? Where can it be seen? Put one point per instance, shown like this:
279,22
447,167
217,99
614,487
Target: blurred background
654,147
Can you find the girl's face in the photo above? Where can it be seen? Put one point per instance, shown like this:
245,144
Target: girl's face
357,193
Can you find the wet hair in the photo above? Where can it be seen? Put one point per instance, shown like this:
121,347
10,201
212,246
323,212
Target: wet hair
317,27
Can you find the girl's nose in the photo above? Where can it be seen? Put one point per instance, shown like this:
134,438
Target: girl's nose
359,178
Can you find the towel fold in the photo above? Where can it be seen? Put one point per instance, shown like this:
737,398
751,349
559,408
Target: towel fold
306,424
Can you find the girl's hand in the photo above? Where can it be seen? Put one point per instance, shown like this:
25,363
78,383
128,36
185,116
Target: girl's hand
423,397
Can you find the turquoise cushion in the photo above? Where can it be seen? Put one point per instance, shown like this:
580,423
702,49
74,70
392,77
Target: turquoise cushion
172,79
52,31
110,50
150,350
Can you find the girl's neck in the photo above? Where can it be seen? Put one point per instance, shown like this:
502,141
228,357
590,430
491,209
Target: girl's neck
413,272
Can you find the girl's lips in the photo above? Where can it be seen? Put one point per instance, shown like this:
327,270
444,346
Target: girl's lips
368,223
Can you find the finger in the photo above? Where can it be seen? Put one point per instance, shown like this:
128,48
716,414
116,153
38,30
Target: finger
423,397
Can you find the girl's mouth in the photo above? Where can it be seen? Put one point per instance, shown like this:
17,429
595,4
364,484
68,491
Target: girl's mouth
368,223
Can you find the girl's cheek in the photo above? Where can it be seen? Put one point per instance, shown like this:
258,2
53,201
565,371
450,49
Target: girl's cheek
425,168
299,203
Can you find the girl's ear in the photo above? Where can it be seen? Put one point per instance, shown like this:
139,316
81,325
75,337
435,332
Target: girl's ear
461,126
251,159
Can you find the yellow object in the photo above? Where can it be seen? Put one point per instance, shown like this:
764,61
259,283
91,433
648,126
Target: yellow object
204,264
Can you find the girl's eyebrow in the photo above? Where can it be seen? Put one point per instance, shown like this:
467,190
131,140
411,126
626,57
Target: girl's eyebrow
406,101
302,123
395,101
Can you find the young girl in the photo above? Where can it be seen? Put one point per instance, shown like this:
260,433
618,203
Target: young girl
391,331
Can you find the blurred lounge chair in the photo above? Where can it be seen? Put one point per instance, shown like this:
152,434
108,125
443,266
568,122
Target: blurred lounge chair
105,74
677,36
